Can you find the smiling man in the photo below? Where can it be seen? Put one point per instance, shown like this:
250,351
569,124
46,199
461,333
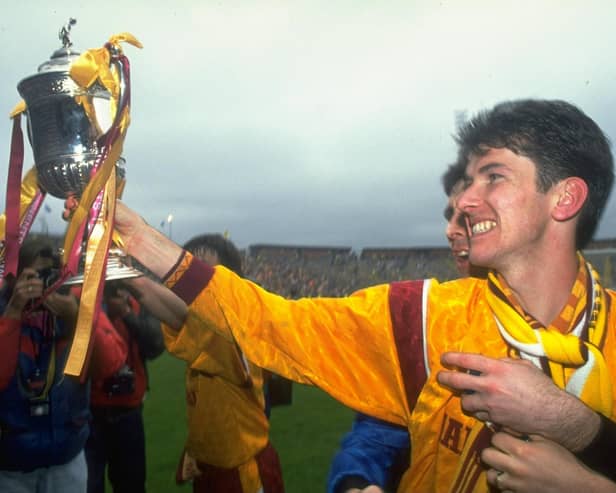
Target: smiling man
538,175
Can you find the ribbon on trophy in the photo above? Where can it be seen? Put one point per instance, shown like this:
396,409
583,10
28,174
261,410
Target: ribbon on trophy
91,222
22,204
96,207
23,201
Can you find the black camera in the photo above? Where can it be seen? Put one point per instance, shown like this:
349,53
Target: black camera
122,383
48,275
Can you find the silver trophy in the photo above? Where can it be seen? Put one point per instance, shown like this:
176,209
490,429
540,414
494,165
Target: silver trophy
66,125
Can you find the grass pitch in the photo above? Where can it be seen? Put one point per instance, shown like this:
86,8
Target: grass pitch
306,433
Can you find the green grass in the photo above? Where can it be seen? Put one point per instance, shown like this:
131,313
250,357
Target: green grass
306,433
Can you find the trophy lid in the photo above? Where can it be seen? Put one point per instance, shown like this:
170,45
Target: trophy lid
61,59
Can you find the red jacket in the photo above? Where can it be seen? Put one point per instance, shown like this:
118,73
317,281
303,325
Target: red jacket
133,329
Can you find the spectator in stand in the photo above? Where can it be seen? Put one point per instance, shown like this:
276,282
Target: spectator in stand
117,437
44,414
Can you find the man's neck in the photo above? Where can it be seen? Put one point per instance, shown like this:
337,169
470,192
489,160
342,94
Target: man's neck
543,291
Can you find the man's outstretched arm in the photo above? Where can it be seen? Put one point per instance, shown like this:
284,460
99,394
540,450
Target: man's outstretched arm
295,338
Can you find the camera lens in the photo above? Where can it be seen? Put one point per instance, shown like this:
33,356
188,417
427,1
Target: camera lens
48,275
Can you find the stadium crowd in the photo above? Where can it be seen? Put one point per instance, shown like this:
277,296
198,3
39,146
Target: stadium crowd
335,274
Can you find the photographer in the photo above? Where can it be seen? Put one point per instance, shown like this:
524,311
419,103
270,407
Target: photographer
117,439
44,414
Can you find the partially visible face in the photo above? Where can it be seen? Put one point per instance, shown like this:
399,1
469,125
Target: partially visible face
41,263
506,216
457,235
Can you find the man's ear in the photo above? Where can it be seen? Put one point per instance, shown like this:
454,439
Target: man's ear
571,194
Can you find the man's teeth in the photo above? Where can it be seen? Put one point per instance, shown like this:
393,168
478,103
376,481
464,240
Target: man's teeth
463,254
483,226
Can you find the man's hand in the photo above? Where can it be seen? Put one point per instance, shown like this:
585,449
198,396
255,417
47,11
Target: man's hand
128,224
27,287
538,466
150,247
64,306
518,396
126,221
70,205
368,489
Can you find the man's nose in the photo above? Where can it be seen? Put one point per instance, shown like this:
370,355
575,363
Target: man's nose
468,198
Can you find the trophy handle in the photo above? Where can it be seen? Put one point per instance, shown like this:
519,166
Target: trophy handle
121,64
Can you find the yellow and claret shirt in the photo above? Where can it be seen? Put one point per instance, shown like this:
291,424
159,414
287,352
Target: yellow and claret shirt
227,425
376,351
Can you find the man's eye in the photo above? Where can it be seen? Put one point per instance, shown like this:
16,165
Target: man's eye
493,177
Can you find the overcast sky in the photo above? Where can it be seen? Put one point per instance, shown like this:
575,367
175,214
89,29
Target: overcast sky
317,122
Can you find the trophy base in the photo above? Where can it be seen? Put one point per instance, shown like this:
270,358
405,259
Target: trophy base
116,269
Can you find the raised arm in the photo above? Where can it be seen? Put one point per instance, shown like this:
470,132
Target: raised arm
298,339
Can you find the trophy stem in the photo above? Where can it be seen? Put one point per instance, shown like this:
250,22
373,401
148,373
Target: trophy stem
116,269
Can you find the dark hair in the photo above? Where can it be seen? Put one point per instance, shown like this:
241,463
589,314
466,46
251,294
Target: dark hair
32,248
451,177
559,138
228,254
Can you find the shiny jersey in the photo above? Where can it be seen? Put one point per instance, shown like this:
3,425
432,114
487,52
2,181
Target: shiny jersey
351,348
227,425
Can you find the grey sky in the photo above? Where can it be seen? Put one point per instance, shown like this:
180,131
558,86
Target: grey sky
317,121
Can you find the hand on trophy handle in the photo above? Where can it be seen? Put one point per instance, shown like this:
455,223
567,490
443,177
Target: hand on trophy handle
128,224
149,246
70,205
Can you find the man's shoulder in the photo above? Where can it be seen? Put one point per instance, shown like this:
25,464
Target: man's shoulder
458,288
461,288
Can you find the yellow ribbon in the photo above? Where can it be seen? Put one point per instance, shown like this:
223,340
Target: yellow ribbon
18,110
96,255
92,189
92,66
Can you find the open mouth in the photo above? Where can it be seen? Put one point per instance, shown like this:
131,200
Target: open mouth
482,227
461,254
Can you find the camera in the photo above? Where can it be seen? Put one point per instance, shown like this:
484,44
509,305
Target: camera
122,383
48,275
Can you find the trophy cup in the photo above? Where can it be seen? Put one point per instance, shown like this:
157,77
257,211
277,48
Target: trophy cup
77,109
66,125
